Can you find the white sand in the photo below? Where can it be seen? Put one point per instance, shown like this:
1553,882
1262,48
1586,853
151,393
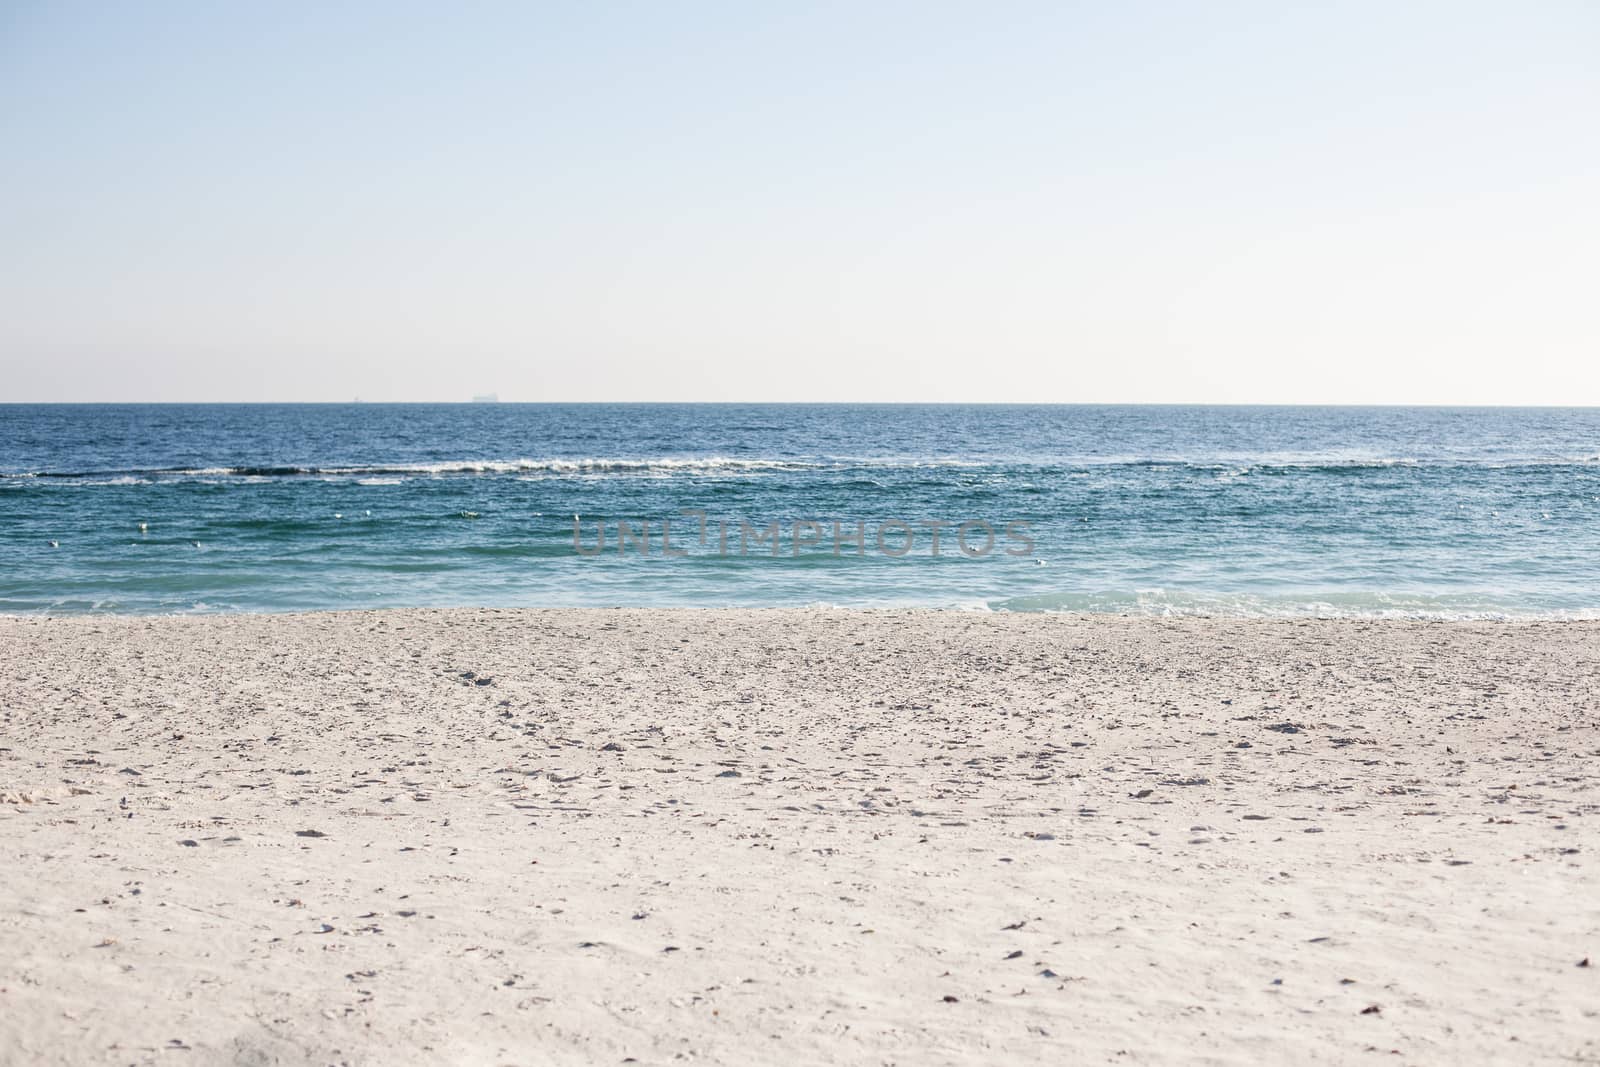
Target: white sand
822,836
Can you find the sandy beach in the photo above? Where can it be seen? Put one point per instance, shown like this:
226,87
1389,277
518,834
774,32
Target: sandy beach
528,837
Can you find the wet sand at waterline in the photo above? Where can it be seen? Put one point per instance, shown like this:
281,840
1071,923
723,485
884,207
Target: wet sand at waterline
588,836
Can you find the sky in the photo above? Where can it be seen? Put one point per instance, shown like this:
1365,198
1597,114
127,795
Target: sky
1345,202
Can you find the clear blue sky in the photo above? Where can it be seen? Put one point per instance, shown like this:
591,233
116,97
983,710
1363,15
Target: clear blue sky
1339,202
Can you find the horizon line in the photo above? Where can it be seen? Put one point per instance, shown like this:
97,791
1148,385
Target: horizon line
801,403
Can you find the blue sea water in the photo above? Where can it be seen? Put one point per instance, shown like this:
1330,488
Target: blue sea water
1426,512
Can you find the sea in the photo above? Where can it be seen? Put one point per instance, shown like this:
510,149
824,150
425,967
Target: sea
1431,513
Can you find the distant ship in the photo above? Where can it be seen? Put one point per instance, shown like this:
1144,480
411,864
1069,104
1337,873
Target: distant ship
486,398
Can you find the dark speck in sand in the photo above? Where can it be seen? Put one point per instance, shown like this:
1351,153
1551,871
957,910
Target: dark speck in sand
188,843
309,833
612,746
1372,1009
730,774
1017,953
948,999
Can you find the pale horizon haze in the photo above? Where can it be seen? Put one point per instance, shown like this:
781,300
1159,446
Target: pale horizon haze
1064,202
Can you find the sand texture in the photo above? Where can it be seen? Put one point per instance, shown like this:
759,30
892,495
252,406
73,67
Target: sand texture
530,837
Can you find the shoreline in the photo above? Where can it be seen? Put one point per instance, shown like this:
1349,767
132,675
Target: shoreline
1576,617
830,835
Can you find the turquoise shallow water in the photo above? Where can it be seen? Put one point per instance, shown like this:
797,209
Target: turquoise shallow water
1450,513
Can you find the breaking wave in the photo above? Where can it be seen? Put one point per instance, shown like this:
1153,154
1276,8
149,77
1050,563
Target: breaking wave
1230,466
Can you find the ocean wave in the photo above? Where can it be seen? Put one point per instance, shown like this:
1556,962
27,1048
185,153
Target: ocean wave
1239,465
443,467
1223,466
1458,607
585,466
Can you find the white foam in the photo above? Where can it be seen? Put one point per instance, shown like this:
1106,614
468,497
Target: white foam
124,479
1323,605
